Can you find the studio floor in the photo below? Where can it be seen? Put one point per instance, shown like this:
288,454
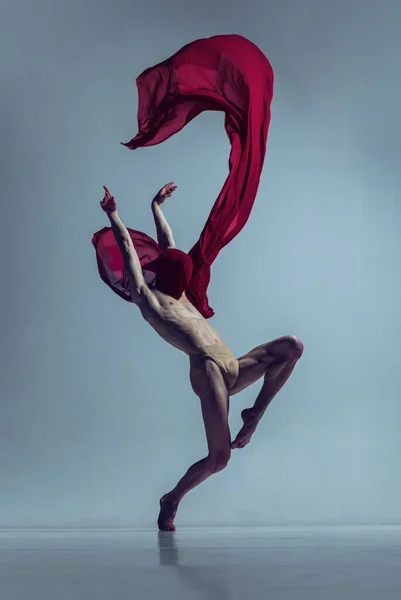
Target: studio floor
224,564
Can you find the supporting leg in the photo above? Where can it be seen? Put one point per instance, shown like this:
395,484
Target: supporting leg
208,383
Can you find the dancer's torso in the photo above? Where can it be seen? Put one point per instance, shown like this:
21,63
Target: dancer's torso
178,322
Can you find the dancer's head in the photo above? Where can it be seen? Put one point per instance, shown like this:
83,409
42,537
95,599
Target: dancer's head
174,272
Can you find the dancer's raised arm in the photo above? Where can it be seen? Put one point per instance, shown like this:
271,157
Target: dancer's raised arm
137,284
164,233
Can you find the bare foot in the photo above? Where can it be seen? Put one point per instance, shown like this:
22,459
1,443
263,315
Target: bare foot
248,429
168,510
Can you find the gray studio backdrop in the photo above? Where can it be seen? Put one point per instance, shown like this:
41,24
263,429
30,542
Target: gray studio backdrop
97,418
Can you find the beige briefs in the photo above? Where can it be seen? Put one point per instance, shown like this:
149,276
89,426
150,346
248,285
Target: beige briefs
224,359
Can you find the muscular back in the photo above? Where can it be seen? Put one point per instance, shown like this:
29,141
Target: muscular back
177,321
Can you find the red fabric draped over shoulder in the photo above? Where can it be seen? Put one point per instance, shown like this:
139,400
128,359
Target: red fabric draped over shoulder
226,73
170,270
110,261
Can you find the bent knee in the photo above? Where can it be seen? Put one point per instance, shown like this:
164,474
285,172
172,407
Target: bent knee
296,347
219,460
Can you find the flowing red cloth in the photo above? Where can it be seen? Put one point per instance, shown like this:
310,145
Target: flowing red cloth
225,73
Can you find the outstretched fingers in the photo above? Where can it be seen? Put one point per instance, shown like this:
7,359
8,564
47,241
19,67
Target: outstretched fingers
169,188
108,203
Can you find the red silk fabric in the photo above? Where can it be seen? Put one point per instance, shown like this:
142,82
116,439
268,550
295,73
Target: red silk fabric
226,73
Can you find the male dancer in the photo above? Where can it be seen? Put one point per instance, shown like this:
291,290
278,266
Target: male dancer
215,374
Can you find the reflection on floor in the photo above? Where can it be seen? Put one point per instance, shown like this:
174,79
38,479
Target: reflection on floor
250,564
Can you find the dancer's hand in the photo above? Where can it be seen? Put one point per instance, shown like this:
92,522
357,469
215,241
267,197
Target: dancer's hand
108,203
164,193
